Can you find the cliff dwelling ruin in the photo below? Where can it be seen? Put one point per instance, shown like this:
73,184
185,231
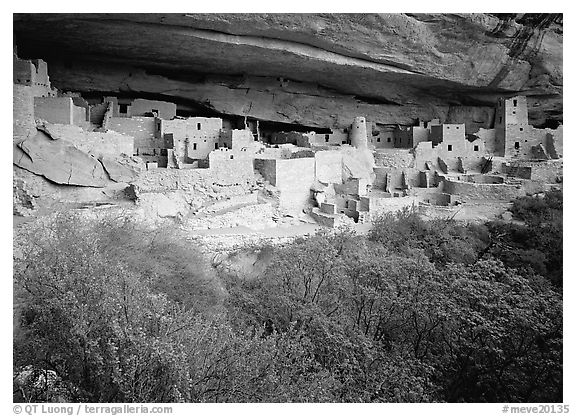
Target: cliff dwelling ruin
212,168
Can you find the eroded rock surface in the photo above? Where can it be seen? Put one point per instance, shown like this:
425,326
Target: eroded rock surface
311,69
59,161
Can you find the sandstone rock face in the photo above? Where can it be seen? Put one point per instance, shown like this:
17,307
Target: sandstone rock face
318,70
58,162
121,169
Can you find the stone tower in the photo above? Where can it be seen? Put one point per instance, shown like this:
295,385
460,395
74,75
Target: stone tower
511,124
358,133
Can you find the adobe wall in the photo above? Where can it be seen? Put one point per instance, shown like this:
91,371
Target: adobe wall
555,141
294,178
328,166
539,171
397,158
419,134
57,110
141,128
79,116
466,191
511,111
24,72
96,143
285,137
520,139
274,153
547,172
378,205
337,137
189,181
23,112
194,137
402,138
407,138
453,134
380,177
97,113
394,179
450,153
236,139
488,136
384,139
34,74
140,107
231,167
267,168
358,133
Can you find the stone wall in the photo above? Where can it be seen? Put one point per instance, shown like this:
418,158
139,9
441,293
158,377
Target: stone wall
294,178
231,167
466,191
452,154
108,143
141,128
236,139
97,112
79,116
23,112
267,168
397,158
328,166
164,109
380,205
186,180
195,137
54,109
488,136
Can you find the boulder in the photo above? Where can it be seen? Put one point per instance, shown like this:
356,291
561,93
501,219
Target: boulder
59,162
121,169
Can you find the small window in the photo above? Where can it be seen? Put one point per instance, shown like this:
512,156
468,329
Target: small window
521,128
515,103
513,112
123,108
449,147
378,139
500,120
457,127
388,139
327,137
517,145
194,146
475,148
198,126
447,127
231,156
343,141
215,145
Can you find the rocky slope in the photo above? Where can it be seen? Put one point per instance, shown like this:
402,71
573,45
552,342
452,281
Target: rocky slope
316,70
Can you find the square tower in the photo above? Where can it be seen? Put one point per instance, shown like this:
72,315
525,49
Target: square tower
511,125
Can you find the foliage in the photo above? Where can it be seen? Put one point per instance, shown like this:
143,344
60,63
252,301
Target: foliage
414,312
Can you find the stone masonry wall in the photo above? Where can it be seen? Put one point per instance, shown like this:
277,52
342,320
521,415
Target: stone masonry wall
23,112
108,143
328,166
141,128
478,191
294,178
54,109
